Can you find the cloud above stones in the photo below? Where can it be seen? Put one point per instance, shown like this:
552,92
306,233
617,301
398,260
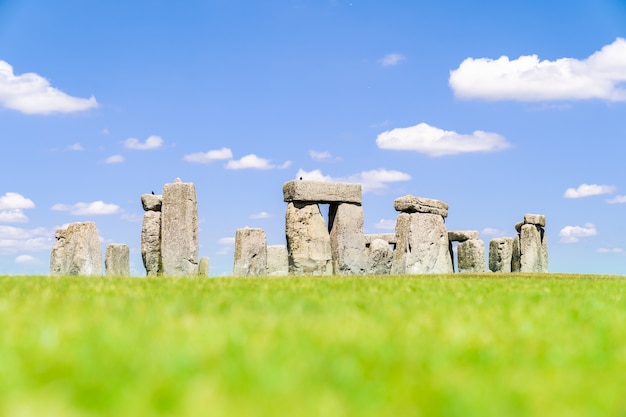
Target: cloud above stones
391,60
261,215
527,78
373,180
114,159
30,93
12,206
572,234
16,239
208,157
95,208
152,142
618,199
588,190
433,141
254,162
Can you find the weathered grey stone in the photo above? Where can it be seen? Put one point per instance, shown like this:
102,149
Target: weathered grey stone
532,252
537,219
516,255
277,261
117,260
179,229
471,256
151,202
412,204
77,253
347,241
308,240
380,255
250,253
322,192
151,243
518,227
462,235
203,266
500,254
388,237
422,245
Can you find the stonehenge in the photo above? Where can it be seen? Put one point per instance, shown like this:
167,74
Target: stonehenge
315,246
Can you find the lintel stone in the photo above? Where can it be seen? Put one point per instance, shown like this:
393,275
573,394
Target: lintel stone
322,192
387,237
537,219
462,235
412,204
151,202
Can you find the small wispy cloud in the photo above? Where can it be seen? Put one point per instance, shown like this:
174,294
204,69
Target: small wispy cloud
492,231
319,156
227,245
372,180
610,250
94,208
572,234
152,142
254,162
391,60
618,199
114,159
587,190
260,215
26,259
75,147
209,156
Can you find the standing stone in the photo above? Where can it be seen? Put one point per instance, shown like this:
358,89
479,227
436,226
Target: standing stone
308,240
516,255
500,254
117,260
347,240
531,256
277,261
77,251
203,266
250,253
422,245
471,255
380,255
151,243
179,229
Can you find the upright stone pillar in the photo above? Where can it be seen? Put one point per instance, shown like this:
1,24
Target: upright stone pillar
501,254
422,245
179,229
470,250
380,256
250,253
77,251
347,240
117,260
203,266
533,246
151,234
308,241
277,261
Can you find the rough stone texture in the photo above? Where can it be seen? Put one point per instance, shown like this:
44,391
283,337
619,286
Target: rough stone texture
422,245
77,251
518,227
117,260
250,253
347,241
388,237
462,235
203,266
151,243
533,249
179,229
308,240
516,255
322,192
471,256
500,254
151,202
277,261
412,204
537,219
380,255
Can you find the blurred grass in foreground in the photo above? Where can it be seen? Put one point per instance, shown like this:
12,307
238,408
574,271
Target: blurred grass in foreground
469,345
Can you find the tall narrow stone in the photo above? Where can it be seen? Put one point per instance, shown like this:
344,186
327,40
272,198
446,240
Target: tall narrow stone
471,255
347,240
117,260
250,253
308,240
277,261
151,243
516,255
77,251
531,258
203,266
179,229
500,254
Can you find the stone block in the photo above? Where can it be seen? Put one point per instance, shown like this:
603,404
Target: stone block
412,204
536,219
322,192
380,255
500,254
117,260
250,253
308,240
462,235
277,261
347,241
387,237
203,266
151,202
471,256
77,251
151,243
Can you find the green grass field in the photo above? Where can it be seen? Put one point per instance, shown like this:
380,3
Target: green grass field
469,345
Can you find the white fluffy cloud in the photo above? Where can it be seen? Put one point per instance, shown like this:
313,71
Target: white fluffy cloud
94,208
25,259
587,190
599,76
370,180
618,199
208,157
114,159
76,147
13,216
261,215
572,234
254,162
392,59
432,141
15,239
11,201
30,93
492,231
153,142
320,156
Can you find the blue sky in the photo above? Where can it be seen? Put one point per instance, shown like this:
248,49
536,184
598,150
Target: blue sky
496,108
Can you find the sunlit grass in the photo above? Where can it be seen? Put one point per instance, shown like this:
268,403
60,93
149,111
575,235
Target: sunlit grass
483,345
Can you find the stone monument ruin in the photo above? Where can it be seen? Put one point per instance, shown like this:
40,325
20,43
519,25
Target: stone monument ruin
77,251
